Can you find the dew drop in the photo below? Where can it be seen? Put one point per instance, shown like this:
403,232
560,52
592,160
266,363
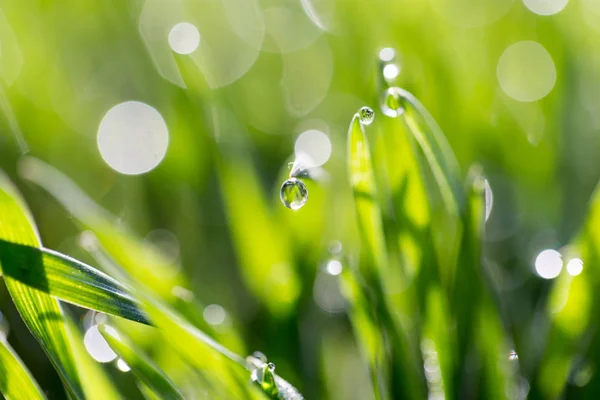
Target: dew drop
271,367
391,102
293,194
366,115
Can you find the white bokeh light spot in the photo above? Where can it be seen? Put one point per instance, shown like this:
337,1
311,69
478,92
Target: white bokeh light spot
133,138
391,71
214,314
575,266
387,54
334,267
313,147
122,365
545,7
548,264
97,346
526,71
184,38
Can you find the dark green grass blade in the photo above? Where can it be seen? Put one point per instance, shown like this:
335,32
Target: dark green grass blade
68,279
142,367
41,313
16,381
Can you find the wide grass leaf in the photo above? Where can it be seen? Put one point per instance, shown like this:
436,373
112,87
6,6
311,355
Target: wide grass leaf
68,279
16,381
141,365
41,312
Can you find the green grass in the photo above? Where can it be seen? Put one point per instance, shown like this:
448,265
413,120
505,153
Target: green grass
433,299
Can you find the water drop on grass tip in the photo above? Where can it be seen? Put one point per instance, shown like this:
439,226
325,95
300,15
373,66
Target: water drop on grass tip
392,102
366,115
293,194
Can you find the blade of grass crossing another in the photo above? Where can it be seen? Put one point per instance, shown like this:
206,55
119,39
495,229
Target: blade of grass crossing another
16,381
41,313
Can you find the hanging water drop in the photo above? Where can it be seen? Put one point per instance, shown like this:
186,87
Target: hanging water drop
366,115
271,367
392,102
293,194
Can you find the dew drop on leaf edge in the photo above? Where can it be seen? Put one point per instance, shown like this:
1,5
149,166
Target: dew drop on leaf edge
392,102
293,194
366,115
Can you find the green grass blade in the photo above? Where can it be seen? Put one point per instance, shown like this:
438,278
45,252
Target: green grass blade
41,313
96,384
368,210
437,151
16,381
68,279
154,271
141,366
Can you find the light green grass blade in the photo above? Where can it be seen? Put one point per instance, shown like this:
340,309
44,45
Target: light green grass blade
96,384
141,366
68,279
368,210
41,313
16,381
153,271
264,252
437,151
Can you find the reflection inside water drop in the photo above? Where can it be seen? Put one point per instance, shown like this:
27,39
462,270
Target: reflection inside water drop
366,115
293,194
392,102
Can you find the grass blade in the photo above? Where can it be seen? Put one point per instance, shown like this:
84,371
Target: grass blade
41,313
16,381
153,272
68,279
141,366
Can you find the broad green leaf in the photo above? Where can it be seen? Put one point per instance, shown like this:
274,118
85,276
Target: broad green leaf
94,380
68,279
141,261
16,381
141,366
41,313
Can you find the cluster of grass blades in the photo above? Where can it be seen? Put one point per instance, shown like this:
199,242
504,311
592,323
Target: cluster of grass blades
425,316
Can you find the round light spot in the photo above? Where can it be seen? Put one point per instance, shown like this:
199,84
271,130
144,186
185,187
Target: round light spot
334,267
184,38
313,147
575,266
133,138
97,346
526,71
214,314
545,7
548,264
391,71
122,365
387,54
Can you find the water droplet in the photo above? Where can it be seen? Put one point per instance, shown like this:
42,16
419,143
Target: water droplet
512,355
259,355
392,102
366,115
271,367
293,194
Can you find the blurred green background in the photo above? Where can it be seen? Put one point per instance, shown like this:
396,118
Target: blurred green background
514,90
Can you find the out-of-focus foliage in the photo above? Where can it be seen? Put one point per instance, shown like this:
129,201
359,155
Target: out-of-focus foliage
150,139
